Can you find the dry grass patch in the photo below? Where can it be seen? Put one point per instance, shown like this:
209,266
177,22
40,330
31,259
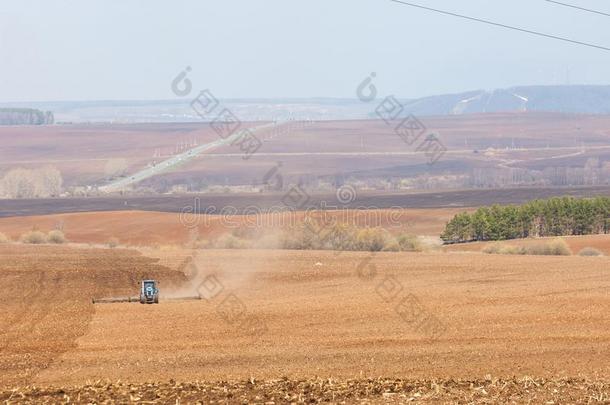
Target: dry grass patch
556,247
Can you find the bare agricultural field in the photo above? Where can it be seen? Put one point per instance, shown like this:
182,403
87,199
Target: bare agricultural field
317,315
81,151
46,299
242,202
143,228
357,147
322,390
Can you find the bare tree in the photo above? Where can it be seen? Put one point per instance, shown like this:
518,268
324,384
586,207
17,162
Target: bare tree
17,183
49,182
32,183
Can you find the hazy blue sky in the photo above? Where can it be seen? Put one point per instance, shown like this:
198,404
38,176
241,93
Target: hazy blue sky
132,49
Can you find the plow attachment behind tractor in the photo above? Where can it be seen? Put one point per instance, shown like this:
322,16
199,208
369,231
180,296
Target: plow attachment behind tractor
113,300
149,294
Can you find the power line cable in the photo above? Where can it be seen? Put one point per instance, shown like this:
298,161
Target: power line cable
510,27
588,10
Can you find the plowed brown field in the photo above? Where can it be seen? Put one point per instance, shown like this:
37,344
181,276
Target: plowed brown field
45,299
302,315
307,391
161,228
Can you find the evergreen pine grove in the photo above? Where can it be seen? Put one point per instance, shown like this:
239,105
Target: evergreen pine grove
560,216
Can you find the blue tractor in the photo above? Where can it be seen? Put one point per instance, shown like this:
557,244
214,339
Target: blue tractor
149,293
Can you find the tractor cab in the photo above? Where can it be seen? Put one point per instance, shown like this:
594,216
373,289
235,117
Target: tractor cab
149,293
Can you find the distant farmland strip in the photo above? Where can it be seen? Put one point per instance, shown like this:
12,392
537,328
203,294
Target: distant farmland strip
446,199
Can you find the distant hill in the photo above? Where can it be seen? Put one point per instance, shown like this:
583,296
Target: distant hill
565,99
25,116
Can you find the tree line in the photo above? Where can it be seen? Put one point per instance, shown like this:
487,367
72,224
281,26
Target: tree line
559,216
25,116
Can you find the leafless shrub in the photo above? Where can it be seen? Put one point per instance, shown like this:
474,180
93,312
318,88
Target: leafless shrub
409,243
229,241
4,238
49,182
203,244
267,241
392,246
56,236
112,242
589,251
372,239
299,238
338,237
33,237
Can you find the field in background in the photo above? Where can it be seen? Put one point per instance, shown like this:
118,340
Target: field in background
363,149
166,230
140,228
448,199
